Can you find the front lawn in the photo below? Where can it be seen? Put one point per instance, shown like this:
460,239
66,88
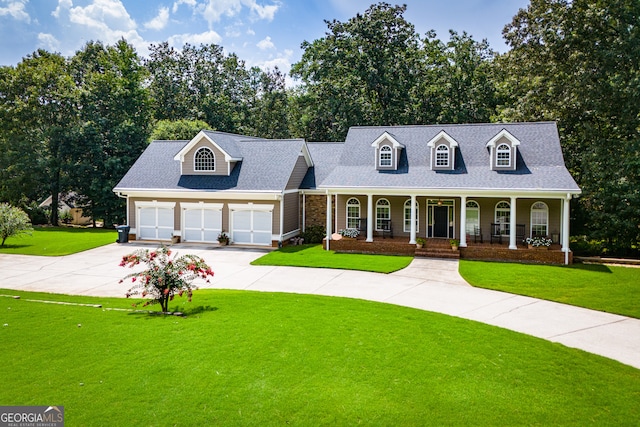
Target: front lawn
598,287
56,241
316,256
253,358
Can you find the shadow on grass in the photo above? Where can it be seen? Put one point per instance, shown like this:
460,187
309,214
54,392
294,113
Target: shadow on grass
299,248
600,268
176,312
14,246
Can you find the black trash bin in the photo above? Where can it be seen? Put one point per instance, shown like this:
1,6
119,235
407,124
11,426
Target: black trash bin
123,233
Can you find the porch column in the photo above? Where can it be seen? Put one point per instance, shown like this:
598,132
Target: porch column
369,217
328,218
463,221
412,238
512,225
565,228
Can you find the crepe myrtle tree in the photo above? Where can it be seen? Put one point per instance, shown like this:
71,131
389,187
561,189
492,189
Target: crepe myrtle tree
165,276
13,222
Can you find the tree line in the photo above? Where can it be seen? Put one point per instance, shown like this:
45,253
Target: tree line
79,123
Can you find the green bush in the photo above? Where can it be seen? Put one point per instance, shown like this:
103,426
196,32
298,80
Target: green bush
582,246
314,234
37,215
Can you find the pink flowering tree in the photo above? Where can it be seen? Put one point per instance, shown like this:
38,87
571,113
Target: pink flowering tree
165,277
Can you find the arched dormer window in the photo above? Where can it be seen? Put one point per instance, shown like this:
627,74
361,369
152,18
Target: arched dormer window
442,156
353,213
385,156
503,155
204,160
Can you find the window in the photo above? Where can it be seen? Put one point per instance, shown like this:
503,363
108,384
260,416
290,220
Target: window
353,212
383,213
503,216
385,155
473,217
407,216
503,155
204,160
442,156
539,219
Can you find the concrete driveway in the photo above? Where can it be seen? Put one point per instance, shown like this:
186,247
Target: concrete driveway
427,284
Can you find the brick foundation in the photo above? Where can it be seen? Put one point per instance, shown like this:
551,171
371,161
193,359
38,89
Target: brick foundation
536,256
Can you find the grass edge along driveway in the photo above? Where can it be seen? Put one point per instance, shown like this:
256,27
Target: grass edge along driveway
259,358
58,241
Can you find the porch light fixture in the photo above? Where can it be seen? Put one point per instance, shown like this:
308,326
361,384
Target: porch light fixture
439,202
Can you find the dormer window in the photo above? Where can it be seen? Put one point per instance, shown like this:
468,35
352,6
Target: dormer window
502,151
443,155
385,156
204,160
503,156
388,151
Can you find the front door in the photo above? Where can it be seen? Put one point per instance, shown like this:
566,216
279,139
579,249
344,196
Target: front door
441,221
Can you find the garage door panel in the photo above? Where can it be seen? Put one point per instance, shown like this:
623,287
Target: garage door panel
252,226
148,217
165,217
201,224
262,221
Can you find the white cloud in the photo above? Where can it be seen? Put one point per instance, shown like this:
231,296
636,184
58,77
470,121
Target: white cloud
104,20
266,43
191,3
15,9
213,10
208,37
48,42
160,21
251,32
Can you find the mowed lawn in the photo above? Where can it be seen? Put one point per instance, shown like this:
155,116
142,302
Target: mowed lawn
57,241
251,358
317,256
598,287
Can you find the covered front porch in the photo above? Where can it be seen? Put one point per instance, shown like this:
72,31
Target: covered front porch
485,226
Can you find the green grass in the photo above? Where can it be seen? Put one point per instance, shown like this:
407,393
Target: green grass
598,287
316,256
57,241
251,358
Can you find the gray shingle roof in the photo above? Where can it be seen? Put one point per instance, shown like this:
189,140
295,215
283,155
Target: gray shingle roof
325,156
540,165
266,166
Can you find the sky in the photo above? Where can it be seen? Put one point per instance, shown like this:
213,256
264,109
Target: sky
264,33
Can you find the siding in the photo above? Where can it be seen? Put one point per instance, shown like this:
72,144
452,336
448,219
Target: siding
291,212
299,171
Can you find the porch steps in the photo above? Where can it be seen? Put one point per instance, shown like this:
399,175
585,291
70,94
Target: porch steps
436,248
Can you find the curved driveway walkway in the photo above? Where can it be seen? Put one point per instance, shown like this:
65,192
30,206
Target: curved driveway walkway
427,284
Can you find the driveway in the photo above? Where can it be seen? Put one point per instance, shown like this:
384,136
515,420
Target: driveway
426,284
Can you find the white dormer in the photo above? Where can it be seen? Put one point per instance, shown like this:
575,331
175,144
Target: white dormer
503,149
443,152
387,152
203,156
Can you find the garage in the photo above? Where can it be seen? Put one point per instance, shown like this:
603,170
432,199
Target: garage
251,224
155,220
201,222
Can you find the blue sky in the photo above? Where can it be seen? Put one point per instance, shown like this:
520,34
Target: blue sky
265,33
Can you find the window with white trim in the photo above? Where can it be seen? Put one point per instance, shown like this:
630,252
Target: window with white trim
503,216
539,219
407,216
442,156
503,155
204,160
473,217
353,212
383,212
385,156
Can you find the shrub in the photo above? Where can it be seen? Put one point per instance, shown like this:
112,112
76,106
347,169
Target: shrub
37,215
314,234
349,232
13,222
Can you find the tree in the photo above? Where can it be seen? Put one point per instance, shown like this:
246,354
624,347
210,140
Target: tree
363,72
13,222
177,129
114,124
165,277
578,62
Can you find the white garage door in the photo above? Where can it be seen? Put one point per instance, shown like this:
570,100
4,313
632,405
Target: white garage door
201,222
155,220
251,224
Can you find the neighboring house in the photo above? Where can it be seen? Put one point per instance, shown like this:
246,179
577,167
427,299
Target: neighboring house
67,203
503,181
